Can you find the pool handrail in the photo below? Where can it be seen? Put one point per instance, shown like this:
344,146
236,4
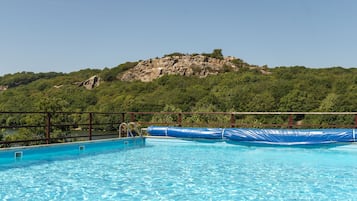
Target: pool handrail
131,129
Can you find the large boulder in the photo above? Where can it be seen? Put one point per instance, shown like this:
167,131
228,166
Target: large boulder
90,83
3,88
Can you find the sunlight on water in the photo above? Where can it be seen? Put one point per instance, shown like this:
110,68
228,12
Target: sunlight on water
183,170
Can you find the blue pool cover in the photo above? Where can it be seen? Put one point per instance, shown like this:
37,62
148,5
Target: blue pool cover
268,136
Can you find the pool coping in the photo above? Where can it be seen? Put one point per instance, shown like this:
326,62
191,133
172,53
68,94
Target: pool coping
66,143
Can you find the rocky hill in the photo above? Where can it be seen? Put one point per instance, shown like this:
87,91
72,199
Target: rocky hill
200,65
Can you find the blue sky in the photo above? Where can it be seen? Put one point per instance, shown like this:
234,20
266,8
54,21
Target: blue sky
69,35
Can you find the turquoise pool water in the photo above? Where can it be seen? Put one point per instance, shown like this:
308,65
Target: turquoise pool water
188,170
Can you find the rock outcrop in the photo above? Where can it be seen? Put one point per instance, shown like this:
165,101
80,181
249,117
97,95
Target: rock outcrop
3,88
92,82
185,65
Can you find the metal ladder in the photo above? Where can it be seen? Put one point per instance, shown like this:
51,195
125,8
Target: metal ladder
130,129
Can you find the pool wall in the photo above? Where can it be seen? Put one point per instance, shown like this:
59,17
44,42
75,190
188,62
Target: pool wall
272,136
24,155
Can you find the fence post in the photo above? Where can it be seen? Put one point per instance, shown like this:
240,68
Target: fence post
355,120
90,125
132,117
291,121
48,128
179,119
233,120
122,117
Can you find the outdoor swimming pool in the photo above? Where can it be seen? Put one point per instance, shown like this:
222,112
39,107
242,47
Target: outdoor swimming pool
173,169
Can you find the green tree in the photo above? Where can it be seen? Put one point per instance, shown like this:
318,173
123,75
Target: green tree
328,104
217,53
296,101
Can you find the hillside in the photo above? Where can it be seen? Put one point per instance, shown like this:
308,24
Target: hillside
181,82
197,65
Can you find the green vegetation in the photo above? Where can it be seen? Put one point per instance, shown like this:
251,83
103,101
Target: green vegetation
23,78
217,53
111,74
174,54
285,89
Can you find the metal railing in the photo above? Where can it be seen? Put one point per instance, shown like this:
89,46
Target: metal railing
55,127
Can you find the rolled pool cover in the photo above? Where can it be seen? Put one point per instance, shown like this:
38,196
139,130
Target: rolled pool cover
268,136
182,132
